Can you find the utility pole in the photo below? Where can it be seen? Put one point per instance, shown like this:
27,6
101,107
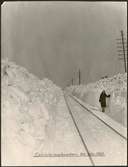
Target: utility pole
122,37
122,49
79,77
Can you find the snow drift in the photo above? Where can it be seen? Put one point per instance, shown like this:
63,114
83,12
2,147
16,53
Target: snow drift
27,105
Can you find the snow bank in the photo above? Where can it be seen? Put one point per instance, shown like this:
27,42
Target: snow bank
27,105
116,86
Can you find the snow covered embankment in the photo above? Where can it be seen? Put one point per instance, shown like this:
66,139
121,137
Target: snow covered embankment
116,86
27,104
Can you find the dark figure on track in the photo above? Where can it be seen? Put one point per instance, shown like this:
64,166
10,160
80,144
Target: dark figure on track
102,100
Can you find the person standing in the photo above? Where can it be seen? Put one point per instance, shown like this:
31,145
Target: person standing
102,100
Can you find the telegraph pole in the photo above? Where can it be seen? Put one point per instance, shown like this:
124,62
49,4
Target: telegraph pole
122,35
122,49
79,77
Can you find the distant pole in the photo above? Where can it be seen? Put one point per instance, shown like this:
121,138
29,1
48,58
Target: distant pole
122,35
79,77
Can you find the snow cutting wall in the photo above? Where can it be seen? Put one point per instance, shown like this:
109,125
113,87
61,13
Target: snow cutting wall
27,108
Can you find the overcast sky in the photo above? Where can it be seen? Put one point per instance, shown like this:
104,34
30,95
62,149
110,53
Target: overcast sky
55,39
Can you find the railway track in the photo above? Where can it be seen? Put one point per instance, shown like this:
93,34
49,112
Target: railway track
80,131
81,137
99,119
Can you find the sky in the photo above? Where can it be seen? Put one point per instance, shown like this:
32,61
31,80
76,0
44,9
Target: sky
56,39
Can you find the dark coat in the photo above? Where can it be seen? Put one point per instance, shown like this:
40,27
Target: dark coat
102,99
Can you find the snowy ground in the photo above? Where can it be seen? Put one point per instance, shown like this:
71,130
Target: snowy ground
36,122
62,138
